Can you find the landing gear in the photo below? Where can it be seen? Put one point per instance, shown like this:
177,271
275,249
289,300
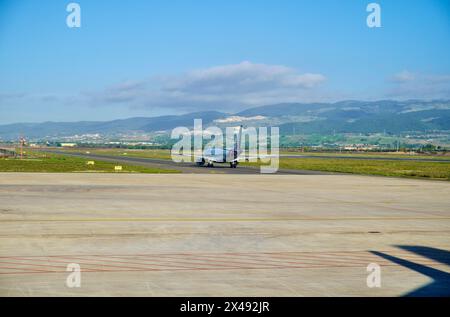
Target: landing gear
233,164
201,163
210,164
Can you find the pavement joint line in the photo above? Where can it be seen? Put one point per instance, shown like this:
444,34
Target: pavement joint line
206,269
219,219
244,253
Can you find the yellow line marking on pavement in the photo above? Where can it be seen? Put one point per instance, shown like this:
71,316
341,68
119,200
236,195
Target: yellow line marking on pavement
218,219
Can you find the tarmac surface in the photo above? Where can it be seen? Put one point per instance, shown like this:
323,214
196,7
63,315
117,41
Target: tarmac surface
222,235
184,167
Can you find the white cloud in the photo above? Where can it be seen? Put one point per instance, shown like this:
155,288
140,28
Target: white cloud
234,86
245,77
408,85
403,76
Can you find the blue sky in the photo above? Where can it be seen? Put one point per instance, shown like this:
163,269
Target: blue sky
145,58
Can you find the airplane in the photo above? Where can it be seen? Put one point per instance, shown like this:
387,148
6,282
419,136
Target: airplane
210,156
218,155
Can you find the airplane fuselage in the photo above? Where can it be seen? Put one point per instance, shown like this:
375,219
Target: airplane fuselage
218,155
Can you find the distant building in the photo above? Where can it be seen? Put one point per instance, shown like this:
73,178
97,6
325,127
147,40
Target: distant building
8,152
68,144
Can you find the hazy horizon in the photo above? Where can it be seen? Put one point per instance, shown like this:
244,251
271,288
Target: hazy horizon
224,112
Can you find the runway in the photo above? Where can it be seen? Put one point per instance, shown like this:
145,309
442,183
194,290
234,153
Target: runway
189,168
222,235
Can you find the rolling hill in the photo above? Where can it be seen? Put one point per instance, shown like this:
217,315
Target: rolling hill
323,118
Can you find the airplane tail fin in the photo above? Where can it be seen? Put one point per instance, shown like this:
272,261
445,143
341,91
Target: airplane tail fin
238,143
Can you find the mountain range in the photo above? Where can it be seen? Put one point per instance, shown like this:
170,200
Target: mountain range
323,118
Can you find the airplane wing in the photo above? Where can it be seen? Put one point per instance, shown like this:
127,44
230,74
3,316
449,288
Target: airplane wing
243,158
196,157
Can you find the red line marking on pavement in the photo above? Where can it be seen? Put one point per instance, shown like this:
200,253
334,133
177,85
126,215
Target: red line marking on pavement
367,257
144,263
30,270
207,261
204,269
315,258
214,259
265,260
94,264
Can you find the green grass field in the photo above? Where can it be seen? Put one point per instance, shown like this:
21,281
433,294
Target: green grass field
431,170
157,154
40,162
371,155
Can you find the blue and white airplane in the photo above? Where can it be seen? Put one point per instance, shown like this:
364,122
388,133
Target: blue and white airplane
220,155
210,156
